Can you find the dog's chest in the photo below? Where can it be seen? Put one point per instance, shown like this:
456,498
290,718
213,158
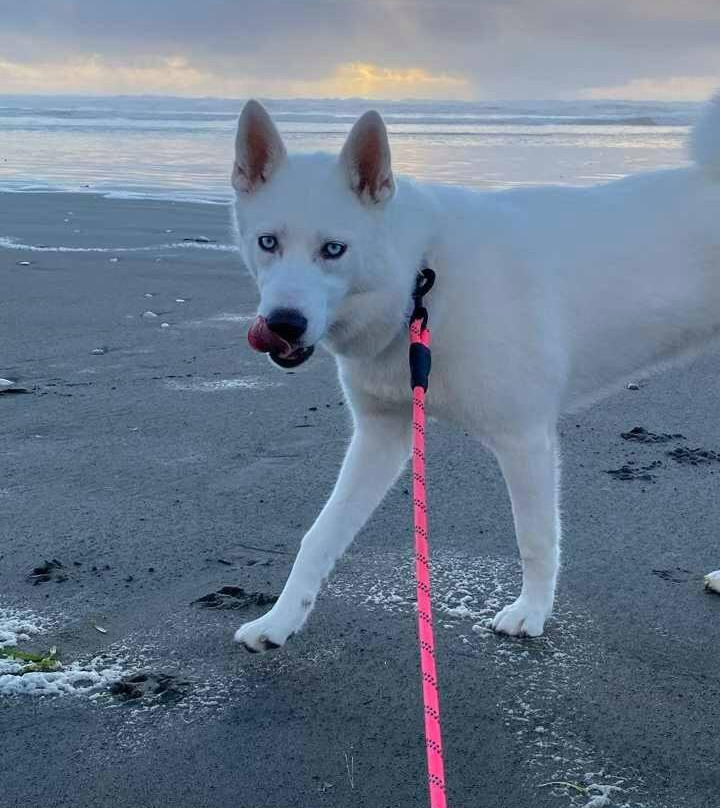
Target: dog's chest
388,380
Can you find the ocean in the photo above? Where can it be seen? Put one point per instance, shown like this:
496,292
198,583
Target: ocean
179,148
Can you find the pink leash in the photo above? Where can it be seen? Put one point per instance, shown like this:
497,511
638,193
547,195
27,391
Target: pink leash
420,372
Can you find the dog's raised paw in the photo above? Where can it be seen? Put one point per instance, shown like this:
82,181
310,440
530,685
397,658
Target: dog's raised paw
520,619
263,634
263,644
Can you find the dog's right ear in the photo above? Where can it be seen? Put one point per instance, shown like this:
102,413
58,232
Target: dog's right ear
259,149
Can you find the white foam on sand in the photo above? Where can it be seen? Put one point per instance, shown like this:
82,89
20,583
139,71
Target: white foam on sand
222,320
90,677
19,626
600,795
20,678
537,674
12,244
231,317
220,385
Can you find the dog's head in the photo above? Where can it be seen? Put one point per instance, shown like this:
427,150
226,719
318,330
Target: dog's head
312,230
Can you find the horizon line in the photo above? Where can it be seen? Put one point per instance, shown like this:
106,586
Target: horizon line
335,99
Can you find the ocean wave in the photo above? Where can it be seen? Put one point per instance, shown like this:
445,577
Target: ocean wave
191,197
435,124
206,113
9,243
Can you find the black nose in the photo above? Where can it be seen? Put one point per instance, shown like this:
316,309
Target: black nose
287,323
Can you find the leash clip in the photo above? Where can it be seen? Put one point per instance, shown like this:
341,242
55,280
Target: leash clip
423,284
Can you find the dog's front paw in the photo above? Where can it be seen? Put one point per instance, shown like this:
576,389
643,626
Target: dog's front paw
266,633
523,618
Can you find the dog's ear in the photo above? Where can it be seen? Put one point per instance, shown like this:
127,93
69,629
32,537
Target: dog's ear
259,149
366,159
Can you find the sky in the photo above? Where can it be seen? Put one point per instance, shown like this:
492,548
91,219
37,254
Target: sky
389,49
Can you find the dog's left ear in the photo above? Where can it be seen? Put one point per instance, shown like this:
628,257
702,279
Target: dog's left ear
259,149
365,158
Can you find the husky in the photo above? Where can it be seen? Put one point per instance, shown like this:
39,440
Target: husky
546,300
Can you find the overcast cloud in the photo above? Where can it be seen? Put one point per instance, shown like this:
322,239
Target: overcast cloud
384,48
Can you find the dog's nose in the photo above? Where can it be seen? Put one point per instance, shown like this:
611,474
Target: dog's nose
288,324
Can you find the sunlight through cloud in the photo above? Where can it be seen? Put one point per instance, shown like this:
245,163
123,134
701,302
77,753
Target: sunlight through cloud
176,75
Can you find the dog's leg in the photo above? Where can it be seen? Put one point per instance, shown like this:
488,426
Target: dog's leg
530,468
379,449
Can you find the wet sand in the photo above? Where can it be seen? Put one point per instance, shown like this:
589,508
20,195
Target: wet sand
159,465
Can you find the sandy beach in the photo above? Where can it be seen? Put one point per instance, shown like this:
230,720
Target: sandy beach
154,461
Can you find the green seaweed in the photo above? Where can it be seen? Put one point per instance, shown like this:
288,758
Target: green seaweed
32,662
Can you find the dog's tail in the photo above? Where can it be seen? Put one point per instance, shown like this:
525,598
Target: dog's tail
705,140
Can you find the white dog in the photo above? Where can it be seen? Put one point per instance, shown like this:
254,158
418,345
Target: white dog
545,300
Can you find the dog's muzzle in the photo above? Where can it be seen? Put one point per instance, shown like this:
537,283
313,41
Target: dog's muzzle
281,352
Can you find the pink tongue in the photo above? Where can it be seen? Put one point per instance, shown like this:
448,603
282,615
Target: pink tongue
262,339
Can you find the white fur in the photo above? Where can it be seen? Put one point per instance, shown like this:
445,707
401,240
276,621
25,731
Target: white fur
712,581
546,299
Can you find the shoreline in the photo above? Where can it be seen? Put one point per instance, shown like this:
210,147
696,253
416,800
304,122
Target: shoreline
77,222
152,195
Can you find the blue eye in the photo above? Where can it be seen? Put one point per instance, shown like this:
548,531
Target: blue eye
332,249
268,243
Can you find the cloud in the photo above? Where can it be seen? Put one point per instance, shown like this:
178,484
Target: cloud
675,88
92,74
494,48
